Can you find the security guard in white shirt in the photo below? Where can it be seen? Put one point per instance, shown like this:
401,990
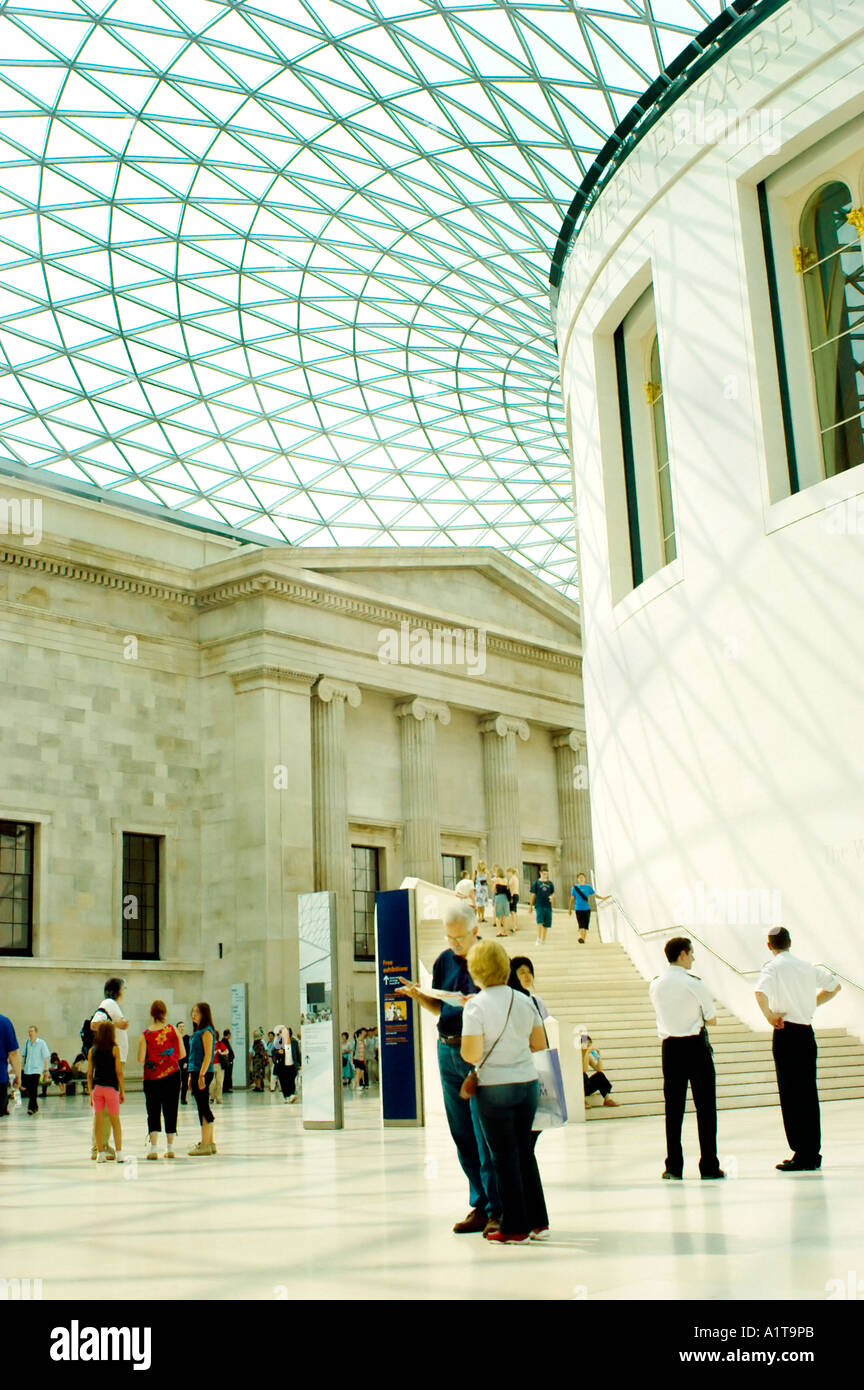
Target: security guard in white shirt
684,1007
788,992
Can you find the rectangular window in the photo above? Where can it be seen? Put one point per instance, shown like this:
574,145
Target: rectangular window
644,441
141,864
16,889
813,246
366,885
452,868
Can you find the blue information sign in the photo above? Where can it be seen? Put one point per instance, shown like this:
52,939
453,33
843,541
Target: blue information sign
401,1101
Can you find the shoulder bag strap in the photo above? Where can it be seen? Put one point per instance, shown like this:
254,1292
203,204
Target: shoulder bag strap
500,1035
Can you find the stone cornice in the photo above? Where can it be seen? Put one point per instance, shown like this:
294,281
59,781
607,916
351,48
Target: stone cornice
92,574
272,677
279,586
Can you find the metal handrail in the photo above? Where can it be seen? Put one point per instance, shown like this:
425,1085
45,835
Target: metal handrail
664,931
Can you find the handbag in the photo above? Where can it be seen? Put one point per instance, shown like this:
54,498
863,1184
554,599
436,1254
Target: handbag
551,1110
470,1084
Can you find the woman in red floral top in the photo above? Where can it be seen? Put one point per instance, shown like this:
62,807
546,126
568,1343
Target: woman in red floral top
161,1049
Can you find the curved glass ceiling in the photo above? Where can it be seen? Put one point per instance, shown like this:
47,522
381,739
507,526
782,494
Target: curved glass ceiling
285,266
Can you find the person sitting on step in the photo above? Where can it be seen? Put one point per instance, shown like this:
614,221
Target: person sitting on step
595,1078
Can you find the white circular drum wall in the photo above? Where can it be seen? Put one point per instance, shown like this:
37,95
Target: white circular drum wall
724,703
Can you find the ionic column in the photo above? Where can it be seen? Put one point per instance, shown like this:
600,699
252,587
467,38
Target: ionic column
330,814
422,842
574,807
501,786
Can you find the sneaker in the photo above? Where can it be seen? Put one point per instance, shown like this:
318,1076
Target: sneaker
120,1156
199,1150
212,1149
676,1177
169,1153
493,1224
101,1158
291,1100
541,1233
502,1238
152,1153
110,1155
474,1221
711,1177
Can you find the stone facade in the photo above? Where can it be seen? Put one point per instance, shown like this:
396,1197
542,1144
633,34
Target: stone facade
260,709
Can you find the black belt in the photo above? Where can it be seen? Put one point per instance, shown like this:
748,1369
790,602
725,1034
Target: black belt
450,1040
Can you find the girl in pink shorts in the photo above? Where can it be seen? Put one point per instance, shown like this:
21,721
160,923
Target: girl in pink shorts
105,1085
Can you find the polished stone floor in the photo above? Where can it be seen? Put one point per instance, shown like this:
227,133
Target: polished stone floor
283,1213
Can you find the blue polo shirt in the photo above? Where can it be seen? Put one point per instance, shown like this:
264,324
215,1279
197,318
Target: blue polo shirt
9,1043
450,972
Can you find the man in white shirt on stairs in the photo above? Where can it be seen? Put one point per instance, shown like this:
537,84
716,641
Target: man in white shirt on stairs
788,992
684,1009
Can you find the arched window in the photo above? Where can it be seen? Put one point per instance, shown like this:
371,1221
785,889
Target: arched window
661,455
833,270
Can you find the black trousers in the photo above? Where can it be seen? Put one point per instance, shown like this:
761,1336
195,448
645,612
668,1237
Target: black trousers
162,1097
795,1052
690,1061
4,1099
184,1084
202,1096
30,1086
598,1081
228,1083
507,1113
287,1079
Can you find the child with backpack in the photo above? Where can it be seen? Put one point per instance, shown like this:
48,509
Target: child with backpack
106,1087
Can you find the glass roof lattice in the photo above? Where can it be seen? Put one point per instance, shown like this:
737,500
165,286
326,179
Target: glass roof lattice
284,267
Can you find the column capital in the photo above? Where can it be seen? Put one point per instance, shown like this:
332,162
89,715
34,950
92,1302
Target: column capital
271,678
328,690
573,739
504,724
423,709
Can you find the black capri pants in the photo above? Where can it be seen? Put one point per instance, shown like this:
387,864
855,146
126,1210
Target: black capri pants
584,919
162,1097
202,1096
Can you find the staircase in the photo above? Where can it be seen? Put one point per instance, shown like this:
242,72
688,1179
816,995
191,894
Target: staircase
598,986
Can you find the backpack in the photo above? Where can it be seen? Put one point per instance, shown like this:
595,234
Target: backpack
88,1037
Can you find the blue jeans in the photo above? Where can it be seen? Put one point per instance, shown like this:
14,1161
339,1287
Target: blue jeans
508,1112
466,1128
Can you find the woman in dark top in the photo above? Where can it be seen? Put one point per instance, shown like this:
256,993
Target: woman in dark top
228,1063
202,1051
106,1086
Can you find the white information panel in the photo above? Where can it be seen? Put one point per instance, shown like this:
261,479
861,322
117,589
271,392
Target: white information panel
240,1034
319,1027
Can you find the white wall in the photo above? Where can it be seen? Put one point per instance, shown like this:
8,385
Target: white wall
724,696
